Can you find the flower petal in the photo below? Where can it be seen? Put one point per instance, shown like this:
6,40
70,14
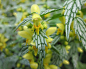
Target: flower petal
30,31
24,34
61,26
49,39
32,43
28,56
62,19
50,31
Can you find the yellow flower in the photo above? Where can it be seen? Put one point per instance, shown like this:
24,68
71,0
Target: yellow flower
46,61
29,56
27,33
49,39
60,28
36,19
35,8
50,31
35,50
2,42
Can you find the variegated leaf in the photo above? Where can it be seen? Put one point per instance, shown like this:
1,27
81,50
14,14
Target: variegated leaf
80,30
71,8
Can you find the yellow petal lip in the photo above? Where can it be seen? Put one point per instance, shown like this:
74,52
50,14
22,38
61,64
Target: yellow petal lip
35,8
28,56
24,34
60,25
50,31
49,39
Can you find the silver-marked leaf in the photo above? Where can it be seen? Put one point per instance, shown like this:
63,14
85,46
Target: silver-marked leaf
23,22
80,30
49,11
75,60
71,8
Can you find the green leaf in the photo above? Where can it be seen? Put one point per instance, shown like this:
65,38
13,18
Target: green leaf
71,8
75,59
24,50
81,65
49,11
80,30
54,17
23,22
55,49
58,58
56,39
18,17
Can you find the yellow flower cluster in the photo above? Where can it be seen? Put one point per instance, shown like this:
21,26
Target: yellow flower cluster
28,33
47,61
32,62
2,42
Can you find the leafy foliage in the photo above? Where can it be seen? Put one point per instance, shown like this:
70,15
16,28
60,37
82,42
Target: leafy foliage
80,29
71,8
28,19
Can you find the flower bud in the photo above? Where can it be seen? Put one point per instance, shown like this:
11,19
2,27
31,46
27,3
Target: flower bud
80,49
66,62
67,47
66,43
18,65
62,37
